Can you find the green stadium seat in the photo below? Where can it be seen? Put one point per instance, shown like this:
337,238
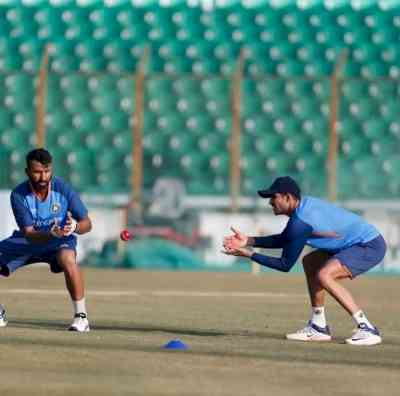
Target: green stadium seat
113,122
354,147
211,144
171,123
193,165
375,69
383,148
287,126
178,66
306,107
92,65
351,69
182,144
86,121
13,139
202,123
316,126
11,62
375,128
58,120
297,145
258,125
206,67
25,120
390,109
219,164
155,143
280,163
213,87
64,64
77,103
267,144
290,69
106,103
348,127
382,89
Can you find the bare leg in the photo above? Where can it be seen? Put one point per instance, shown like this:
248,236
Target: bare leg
312,263
73,274
328,277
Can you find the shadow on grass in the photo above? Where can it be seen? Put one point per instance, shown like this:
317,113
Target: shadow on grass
334,353
55,325
269,356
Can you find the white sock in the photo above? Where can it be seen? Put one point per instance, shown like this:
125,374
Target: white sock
79,306
318,316
360,317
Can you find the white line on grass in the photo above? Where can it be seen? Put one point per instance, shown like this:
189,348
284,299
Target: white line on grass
157,293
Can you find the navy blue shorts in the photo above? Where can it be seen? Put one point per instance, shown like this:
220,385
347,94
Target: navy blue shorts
16,252
362,257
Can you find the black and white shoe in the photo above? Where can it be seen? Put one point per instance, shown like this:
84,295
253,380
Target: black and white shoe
80,323
365,335
311,332
3,317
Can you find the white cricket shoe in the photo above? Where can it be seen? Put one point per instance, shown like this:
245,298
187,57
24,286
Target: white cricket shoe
311,332
3,317
365,335
80,323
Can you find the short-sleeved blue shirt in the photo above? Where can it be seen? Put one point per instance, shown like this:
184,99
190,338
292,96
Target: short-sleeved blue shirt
42,215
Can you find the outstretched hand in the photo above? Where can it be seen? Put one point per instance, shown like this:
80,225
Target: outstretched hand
235,245
69,228
236,241
243,252
70,225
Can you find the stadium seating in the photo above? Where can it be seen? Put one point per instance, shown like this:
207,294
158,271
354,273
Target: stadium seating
290,52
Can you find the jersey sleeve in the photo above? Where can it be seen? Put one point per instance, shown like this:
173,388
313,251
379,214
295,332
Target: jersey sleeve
75,204
22,215
269,242
292,241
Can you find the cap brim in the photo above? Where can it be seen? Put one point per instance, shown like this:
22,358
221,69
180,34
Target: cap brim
266,193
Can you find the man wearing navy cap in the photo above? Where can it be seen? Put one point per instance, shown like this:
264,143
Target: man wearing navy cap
346,246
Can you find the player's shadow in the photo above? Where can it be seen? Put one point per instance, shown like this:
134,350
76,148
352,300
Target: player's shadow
144,328
58,326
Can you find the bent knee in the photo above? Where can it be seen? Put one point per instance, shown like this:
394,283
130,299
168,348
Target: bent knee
324,276
67,260
333,270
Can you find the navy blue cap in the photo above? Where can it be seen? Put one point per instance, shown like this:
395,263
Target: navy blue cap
281,185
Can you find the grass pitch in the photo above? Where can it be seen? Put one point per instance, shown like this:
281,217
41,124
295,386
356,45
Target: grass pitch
233,324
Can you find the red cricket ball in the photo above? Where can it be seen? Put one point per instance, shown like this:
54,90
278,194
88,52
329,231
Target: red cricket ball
125,235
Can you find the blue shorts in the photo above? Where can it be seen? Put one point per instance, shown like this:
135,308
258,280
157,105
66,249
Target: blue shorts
362,257
16,252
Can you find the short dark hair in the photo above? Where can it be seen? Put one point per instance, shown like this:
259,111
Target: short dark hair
40,155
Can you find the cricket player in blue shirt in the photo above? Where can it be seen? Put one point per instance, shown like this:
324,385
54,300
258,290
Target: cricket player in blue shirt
346,246
49,215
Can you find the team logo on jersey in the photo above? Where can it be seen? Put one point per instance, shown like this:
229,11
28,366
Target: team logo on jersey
55,208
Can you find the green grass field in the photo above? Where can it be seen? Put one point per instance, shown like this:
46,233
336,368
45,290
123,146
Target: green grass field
233,324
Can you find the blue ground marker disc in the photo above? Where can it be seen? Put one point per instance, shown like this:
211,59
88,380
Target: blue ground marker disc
175,344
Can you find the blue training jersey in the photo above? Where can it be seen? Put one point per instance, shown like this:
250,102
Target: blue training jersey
30,211
316,223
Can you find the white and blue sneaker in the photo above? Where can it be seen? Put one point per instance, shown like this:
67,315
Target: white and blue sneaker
80,323
365,335
311,332
3,317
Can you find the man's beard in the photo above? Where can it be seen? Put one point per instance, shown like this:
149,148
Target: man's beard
40,185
